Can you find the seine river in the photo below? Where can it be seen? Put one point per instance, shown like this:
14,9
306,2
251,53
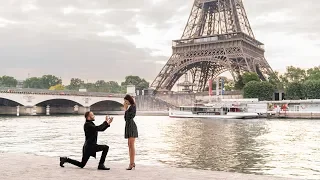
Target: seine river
287,148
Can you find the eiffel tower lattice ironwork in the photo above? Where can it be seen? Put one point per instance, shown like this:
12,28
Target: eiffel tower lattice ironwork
216,39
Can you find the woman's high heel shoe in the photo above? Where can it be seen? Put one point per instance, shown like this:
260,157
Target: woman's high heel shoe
131,166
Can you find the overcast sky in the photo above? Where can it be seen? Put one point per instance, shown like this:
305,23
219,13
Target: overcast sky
109,39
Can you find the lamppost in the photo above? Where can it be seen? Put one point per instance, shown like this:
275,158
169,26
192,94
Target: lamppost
28,78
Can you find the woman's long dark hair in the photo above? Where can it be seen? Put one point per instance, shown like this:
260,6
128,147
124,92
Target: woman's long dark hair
130,99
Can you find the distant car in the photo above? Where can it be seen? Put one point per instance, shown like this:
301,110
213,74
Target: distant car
110,95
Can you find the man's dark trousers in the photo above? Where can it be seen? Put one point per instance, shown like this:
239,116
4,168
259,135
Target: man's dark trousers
86,156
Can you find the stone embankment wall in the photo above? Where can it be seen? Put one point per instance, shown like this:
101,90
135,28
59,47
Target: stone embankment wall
151,103
178,99
163,102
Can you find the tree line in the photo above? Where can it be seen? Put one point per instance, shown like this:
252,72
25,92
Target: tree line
55,83
297,83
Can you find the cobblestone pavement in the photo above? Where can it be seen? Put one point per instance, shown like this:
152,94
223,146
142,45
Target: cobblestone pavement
30,167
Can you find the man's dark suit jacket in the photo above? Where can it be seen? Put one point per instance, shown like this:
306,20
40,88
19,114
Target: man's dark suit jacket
91,132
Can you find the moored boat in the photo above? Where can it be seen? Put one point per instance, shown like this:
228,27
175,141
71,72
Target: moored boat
211,111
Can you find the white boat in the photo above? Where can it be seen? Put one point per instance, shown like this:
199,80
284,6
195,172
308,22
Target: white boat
211,112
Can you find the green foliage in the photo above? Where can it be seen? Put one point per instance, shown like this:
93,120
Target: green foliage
54,83
294,91
8,81
293,74
244,79
229,85
33,82
261,90
250,76
110,86
44,82
49,81
137,81
239,83
311,89
75,84
57,87
275,80
313,73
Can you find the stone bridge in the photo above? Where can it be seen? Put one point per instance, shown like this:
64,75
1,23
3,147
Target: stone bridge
36,101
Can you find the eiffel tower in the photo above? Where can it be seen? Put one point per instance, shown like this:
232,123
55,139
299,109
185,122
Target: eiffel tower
216,39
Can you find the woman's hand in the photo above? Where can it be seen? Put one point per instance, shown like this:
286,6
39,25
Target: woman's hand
125,107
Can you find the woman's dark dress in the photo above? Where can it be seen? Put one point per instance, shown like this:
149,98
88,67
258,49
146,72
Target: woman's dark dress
131,127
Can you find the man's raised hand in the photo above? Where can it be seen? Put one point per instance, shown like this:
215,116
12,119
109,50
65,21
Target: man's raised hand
110,120
107,118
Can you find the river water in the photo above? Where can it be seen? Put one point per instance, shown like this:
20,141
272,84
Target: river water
287,148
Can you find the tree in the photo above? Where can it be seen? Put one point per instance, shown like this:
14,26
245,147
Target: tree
113,87
33,82
50,80
100,86
8,81
275,80
44,82
261,90
137,81
75,84
311,89
250,76
239,83
229,86
293,74
294,91
91,87
57,87
313,73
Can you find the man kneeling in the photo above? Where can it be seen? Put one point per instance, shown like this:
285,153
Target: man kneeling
90,146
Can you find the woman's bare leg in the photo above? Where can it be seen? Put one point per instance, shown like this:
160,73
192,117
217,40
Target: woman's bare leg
129,148
132,150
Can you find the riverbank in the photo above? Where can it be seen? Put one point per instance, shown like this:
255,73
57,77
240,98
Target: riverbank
293,115
139,113
22,166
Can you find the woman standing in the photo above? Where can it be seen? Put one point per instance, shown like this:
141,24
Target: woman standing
131,131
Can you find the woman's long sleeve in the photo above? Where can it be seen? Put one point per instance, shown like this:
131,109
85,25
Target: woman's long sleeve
131,113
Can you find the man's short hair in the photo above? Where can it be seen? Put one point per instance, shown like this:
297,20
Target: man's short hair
86,115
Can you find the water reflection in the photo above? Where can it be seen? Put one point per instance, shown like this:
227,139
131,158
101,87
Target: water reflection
281,148
216,145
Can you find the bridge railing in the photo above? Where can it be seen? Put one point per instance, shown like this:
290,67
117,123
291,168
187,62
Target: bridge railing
57,92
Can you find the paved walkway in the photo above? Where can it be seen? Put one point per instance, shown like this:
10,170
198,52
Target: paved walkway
29,167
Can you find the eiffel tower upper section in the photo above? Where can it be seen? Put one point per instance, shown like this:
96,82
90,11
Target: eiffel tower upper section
214,17
217,38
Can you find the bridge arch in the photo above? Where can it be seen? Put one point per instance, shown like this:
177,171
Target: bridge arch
95,100
54,101
106,105
14,99
9,102
59,102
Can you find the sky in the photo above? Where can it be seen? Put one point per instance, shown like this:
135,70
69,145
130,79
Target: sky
110,39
